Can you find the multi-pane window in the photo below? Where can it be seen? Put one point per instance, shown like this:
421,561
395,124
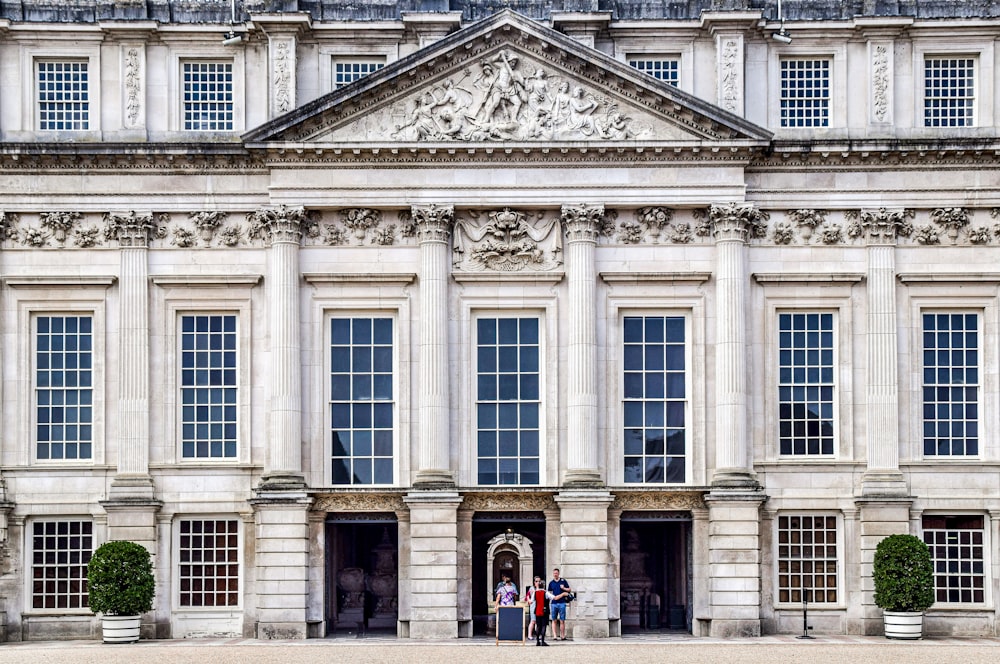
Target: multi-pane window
64,387
805,92
207,96
957,545
208,386
949,92
63,95
60,551
951,384
209,560
805,383
507,400
348,71
807,559
665,69
655,399
361,400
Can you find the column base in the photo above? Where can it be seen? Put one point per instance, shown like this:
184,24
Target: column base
434,479
131,487
884,484
282,482
583,479
735,478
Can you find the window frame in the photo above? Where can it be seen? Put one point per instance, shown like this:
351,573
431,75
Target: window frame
38,102
841,561
987,558
370,47
956,46
29,550
380,61
976,87
82,51
921,349
206,54
216,117
820,384
677,58
180,368
836,53
175,593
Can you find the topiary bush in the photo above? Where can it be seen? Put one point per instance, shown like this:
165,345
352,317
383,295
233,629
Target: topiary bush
120,579
904,574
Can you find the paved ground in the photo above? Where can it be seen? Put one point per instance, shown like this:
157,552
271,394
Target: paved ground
634,650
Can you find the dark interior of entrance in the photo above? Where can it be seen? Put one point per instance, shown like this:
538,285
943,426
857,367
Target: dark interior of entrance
486,526
362,585
655,574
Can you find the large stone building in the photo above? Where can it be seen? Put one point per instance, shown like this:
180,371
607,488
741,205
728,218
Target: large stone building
344,309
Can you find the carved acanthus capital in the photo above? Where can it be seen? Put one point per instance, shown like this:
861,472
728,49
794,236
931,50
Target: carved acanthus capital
582,223
131,229
278,224
884,225
737,221
433,222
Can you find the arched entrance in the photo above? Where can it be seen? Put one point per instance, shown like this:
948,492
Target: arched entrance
520,552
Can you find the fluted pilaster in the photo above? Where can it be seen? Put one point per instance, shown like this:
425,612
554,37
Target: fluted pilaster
434,225
582,224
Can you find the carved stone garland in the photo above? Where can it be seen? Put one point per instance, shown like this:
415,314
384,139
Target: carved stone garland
507,241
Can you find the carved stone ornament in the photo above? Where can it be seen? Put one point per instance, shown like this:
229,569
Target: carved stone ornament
658,500
954,219
133,86
880,82
132,229
508,502
59,223
737,221
884,225
278,224
358,502
433,222
582,222
281,77
359,221
730,75
507,241
654,223
207,222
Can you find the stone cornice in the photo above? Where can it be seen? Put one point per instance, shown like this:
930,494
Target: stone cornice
949,277
812,278
206,280
655,277
400,278
73,281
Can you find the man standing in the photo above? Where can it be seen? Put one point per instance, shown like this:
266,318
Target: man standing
560,591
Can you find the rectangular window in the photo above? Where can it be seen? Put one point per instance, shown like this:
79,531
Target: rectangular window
207,96
949,92
807,559
63,95
209,556
507,400
346,72
361,400
64,387
805,93
665,69
957,545
805,384
655,399
60,551
208,386
951,384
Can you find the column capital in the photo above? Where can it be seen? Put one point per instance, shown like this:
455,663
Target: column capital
433,222
582,222
281,224
736,222
883,225
131,229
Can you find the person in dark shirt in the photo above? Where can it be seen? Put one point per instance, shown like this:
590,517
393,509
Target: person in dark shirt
560,590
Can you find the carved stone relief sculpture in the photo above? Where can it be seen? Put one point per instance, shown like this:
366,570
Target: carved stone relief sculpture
507,241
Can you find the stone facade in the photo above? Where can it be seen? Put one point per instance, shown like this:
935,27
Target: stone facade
327,304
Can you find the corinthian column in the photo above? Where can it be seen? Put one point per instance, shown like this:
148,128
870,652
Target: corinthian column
434,224
731,226
882,477
282,227
582,223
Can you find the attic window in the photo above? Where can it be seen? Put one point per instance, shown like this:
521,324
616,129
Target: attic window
348,70
663,67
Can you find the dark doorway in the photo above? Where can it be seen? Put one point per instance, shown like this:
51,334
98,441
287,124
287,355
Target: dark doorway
655,571
362,567
485,527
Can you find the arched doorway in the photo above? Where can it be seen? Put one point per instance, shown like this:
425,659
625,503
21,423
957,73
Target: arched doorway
522,551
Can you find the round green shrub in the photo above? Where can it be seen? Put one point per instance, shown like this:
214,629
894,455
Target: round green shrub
904,574
120,579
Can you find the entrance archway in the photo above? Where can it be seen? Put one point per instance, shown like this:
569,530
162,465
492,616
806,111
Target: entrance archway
526,547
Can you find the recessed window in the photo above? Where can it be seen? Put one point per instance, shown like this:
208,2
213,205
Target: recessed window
209,563
805,384
63,95
208,386
805,92
958,550
361,400
665,69
64,387
951,384
207,96
655,399
507,400
949,92
807,559
346,71
60,551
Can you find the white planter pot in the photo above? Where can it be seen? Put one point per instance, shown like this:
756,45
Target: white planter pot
903,625
120,629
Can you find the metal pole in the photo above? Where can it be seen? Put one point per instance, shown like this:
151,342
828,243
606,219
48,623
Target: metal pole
805,615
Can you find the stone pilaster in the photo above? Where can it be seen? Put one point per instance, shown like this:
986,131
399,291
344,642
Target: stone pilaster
880,75
730,67
734,541
882,476
582,224
403,574
879,519
585,559
553,545
434,545
732,225
701,611
464,518
434,225
315,609
282,228
615,566
282,552
282,31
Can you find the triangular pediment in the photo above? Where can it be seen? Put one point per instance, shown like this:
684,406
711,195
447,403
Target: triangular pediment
506,79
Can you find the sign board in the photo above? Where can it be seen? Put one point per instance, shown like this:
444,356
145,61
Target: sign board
510,624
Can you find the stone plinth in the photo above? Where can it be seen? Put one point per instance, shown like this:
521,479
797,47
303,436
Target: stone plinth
879,519
584,559
434,545
282,557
